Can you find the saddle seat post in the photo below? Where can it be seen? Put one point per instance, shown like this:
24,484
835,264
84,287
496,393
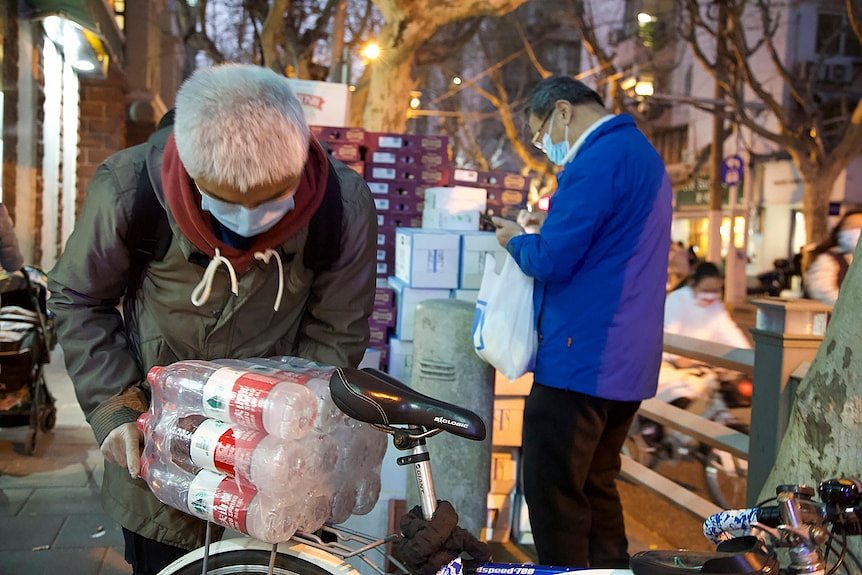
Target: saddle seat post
412,439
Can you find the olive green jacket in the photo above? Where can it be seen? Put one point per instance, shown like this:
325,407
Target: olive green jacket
323,317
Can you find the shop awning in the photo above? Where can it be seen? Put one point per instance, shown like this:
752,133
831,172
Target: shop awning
93,15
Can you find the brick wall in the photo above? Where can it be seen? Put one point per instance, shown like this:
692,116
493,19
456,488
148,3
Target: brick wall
102,125
10,106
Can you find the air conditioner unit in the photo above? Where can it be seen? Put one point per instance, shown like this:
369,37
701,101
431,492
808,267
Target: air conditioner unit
839,73
809,67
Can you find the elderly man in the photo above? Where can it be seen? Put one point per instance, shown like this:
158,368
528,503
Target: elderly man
241,183
599,264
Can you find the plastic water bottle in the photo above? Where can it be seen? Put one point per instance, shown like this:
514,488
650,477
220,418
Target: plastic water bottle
221,499
367,494
281,407
274,466
313,375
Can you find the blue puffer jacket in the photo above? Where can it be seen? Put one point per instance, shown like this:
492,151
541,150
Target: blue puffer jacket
600,267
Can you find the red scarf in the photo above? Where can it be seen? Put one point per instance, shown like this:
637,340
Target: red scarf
184,202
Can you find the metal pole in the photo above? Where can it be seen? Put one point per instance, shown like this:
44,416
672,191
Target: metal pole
207,548
272,556
425,483
716,200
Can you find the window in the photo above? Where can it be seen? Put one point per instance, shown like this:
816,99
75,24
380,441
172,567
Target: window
835,37
120,14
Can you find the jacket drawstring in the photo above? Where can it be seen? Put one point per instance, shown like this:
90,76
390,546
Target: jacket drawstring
202,291
265,256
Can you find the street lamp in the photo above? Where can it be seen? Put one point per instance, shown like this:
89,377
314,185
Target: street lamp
371,51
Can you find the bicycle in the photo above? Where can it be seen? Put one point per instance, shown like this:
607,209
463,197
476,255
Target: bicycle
410,418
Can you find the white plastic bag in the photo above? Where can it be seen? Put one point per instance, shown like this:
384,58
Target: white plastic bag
504,329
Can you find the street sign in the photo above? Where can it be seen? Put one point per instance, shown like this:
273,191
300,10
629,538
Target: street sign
732,170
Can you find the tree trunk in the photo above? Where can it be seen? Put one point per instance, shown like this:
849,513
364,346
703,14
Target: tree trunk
822,439
389,91
816,191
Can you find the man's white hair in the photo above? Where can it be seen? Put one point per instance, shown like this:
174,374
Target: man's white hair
240,125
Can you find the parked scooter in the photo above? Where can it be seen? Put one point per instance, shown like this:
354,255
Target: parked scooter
711,393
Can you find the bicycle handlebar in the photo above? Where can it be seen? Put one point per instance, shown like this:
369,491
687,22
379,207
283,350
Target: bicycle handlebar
841,506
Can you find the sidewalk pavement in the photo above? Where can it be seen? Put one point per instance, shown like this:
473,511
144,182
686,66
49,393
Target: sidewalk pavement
51,518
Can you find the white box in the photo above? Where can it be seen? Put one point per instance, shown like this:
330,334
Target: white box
427,258
406,300
371,358
400,359
469,295
456,208
475,246
323,103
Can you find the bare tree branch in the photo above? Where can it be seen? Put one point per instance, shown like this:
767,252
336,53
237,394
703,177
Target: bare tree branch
528,46
854,19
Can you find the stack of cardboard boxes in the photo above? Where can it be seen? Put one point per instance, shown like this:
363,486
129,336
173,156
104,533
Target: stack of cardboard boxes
429,246
507,193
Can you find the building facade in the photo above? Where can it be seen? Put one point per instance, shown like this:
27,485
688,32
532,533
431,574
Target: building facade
762,218
80,81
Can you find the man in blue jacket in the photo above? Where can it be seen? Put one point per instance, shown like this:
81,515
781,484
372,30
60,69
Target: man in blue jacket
600,267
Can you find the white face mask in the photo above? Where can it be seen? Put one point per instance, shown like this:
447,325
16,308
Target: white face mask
705,299
247,222
847,239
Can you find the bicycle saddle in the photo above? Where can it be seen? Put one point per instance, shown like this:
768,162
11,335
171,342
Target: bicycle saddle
740,556
374,397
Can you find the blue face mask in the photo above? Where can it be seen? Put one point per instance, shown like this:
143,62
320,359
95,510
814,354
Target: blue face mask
556,152
247,222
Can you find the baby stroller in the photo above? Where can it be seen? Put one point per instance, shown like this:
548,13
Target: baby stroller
26,341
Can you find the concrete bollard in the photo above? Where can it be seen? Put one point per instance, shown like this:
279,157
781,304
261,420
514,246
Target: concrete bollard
446,367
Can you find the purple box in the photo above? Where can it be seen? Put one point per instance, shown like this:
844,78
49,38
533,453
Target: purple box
404,142
331,134
345,152
493,179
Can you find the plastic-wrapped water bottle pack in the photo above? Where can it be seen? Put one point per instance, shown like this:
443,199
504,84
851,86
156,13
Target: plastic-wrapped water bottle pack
257,445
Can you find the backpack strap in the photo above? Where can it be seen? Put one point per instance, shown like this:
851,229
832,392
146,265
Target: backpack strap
149,234
323,245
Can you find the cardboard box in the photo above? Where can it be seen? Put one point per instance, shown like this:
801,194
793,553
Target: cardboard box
475,247
400,359
427,258
508,422
455,208
389,172
493,179
506,197
498,525
384,316
470,295
379,335
504,470
384,297
385,269
345,152
506,386
406,300
335,134
381,204
409,158
323,103
404,142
